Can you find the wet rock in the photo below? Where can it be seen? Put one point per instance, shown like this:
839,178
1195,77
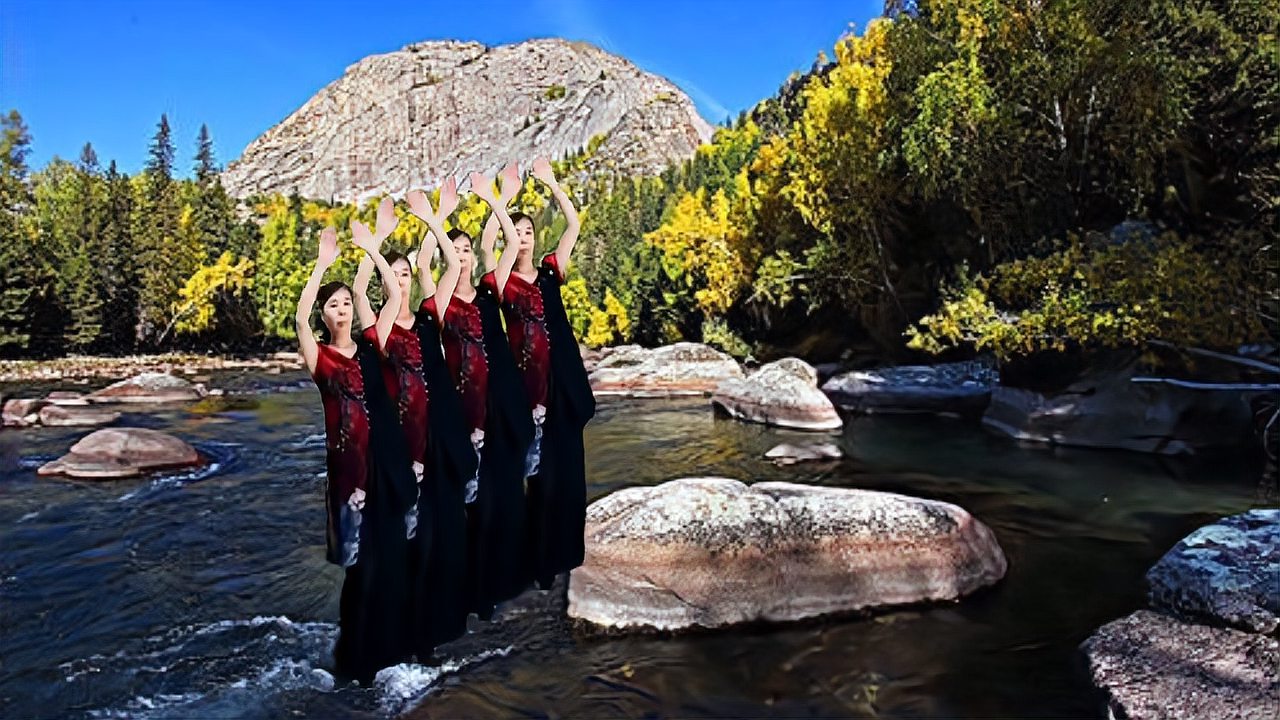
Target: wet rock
787,454
710,552
682,368
783,393
74,416
66,397
1225,573
22,412
122,452
1111,408
1153,666
149,387
960,388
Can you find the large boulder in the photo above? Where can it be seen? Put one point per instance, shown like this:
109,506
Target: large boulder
1153,666
783,393
682,368
21,412
1226,573
149,387
122,452
960,388
712,551
75,416
1113,408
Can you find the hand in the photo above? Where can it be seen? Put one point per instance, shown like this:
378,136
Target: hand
482,187
448,198
328,247
364,239
509,183
542,171
387,219
356,501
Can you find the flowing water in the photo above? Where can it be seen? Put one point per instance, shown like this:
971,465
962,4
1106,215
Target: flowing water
205,594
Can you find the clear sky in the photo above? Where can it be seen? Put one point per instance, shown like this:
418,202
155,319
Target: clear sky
103,71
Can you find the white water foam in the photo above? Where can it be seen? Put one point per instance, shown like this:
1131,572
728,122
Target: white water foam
244,663
401,687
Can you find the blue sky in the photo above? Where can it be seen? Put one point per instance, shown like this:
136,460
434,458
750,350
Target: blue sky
104,71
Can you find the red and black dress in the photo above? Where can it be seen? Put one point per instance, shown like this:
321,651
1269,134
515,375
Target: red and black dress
552,365
489,386
365,450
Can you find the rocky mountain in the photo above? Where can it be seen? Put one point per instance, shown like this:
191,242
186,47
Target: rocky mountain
415,116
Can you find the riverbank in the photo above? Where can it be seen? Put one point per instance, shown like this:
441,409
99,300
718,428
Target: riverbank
87,367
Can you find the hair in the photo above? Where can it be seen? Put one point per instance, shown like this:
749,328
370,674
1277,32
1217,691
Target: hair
518,216
456,233
396,256
327,291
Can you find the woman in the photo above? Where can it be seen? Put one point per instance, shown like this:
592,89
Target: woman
555,382
496,418
370,484
442,458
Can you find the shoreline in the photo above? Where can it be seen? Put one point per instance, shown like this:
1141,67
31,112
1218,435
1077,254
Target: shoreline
90,367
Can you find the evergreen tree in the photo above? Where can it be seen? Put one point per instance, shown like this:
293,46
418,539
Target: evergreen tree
116,266
16,293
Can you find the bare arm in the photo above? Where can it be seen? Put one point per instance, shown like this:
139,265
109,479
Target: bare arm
307,344
489,238
360,288
371,245
451,275
425,253
442,292
481,187
542,171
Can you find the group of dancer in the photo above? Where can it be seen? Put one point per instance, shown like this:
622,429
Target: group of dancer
454,446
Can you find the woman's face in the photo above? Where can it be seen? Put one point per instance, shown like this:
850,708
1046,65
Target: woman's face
524,236
337,311
466,261
403,273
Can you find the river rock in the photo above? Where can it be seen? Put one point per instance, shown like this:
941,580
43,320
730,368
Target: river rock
1109,408
1224,573
682,368
711,552
22,412
962,388
66,397
72,415
122,452
1153,666
783,393
149,387
788,454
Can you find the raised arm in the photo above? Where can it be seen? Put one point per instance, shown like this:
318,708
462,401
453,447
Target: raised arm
508,187
488,239
372,247
542,171
483,189
386,224
421,206
307,344
360,289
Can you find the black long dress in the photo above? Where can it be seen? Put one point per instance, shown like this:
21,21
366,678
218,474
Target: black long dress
371,544
501,554
558,493
441,573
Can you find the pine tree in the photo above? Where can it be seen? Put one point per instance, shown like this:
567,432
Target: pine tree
116,266
213,208
163,262
16,200
82,281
